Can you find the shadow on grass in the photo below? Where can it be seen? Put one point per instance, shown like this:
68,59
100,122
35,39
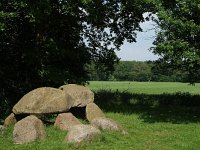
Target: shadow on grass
174,108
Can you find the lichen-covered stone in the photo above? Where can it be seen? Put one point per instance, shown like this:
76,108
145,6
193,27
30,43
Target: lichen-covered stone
107,124
10,120
81,133
81,95
28,130
65,121
43,100
93,111
2,129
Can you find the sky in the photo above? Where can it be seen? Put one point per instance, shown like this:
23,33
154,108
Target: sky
139,51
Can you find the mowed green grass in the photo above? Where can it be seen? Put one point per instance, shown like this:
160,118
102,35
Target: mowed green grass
145,87
149,127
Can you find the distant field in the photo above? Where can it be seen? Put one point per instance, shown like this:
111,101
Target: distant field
146,87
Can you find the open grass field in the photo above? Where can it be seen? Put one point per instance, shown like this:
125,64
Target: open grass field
146,87
158,116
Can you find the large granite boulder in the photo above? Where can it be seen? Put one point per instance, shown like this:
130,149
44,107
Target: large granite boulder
81,133
28,130
43,100
93,111
81,95
107,124
65,121
10,120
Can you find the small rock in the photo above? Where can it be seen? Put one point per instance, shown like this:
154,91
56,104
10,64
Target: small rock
107,124
10,120
80,133
93,111
81,95
2,129
28,130
65,121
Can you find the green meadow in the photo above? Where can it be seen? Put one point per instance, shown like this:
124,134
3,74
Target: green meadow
157,116
145,87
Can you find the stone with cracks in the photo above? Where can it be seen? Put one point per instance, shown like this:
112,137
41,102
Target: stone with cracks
10,120
43,100
81,133
28,130
81,95
93,111
65,121
107,124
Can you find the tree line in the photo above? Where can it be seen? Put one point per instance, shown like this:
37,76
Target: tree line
138,71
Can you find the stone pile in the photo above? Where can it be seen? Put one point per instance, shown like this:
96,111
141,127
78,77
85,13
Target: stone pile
46,100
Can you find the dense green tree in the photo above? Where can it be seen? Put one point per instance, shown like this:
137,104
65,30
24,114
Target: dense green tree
139,71
178,39
49,42
133,71
124,71
164,73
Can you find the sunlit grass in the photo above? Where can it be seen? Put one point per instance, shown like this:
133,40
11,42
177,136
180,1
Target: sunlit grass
142,135
146,87
153,125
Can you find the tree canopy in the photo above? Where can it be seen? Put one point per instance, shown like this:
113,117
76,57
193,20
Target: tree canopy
178,39
138,71
50,42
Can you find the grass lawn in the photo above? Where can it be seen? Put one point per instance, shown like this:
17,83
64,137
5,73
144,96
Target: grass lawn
146,87
152,123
